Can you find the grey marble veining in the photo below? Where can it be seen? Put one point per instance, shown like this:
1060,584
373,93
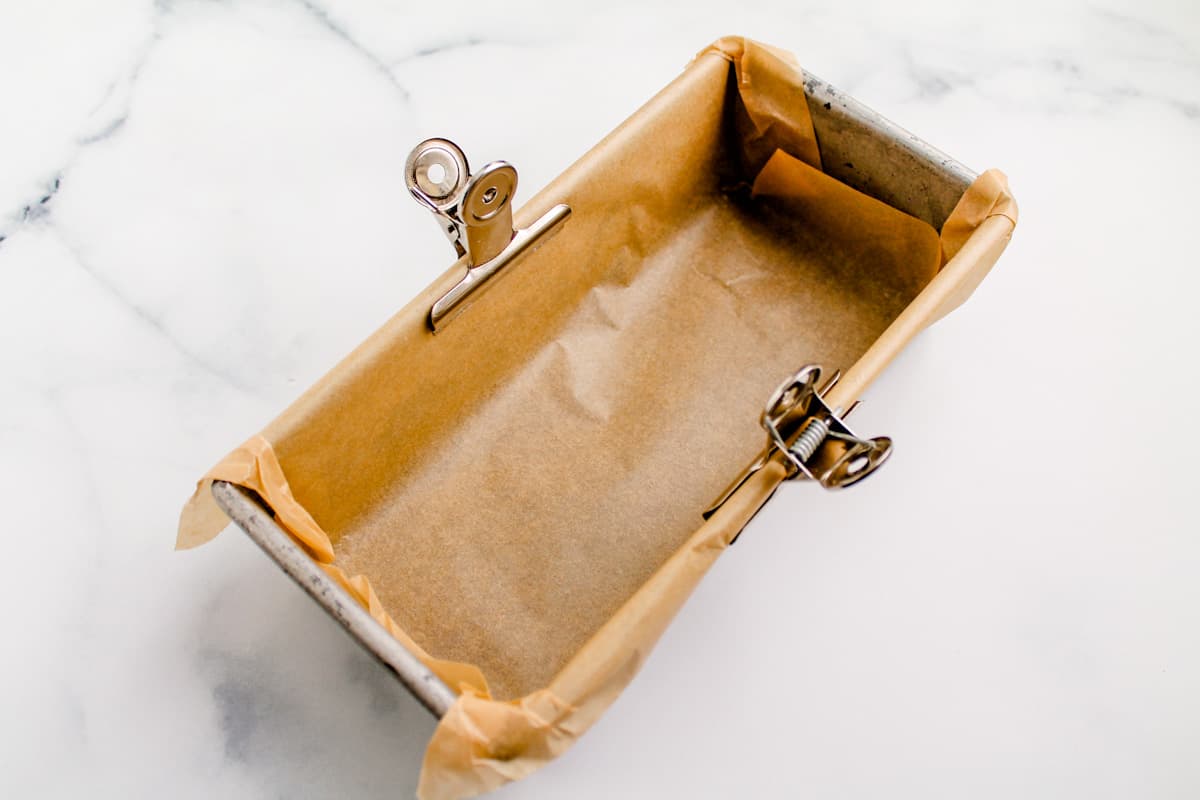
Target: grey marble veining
202,209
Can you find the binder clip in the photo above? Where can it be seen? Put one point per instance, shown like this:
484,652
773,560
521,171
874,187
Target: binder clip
812,437
475,212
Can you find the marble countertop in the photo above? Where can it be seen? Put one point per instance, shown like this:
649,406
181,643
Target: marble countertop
1012,608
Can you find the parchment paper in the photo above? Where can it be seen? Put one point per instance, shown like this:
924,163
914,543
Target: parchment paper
519,498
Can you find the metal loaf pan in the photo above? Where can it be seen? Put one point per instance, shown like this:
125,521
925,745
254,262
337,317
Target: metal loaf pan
858,146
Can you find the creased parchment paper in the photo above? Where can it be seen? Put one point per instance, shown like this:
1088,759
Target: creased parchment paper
518,499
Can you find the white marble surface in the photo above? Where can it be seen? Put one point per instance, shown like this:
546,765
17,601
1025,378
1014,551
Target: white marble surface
1010,609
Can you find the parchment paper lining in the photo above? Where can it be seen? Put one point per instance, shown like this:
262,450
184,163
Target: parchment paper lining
518,498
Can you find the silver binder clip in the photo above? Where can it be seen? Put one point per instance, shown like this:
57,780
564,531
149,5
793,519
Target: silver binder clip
813,438
475,212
